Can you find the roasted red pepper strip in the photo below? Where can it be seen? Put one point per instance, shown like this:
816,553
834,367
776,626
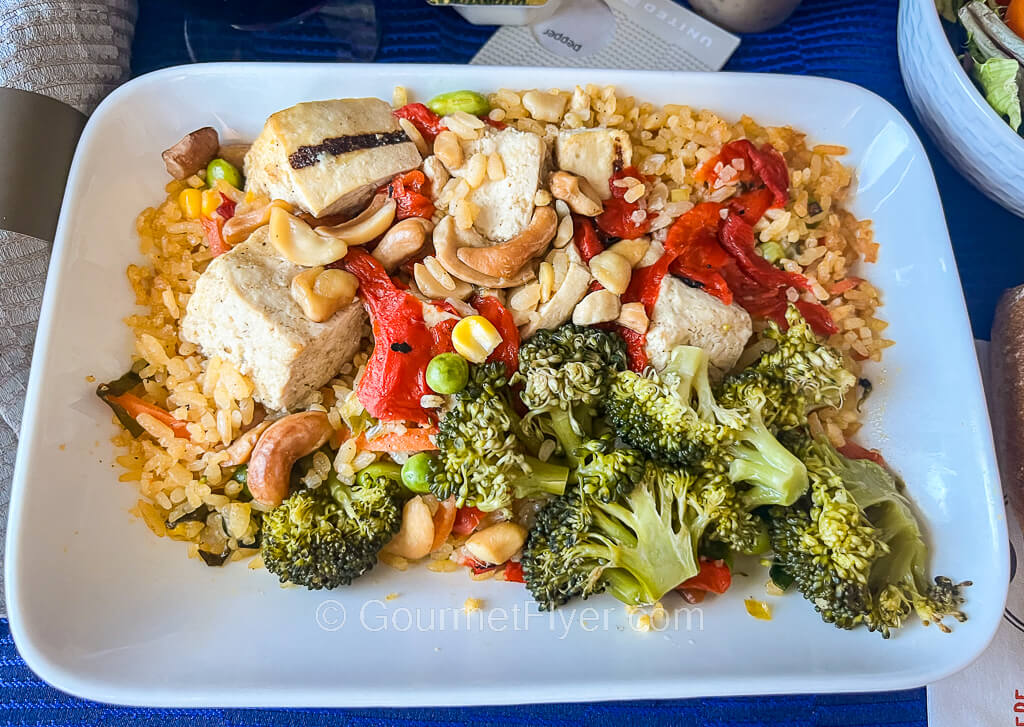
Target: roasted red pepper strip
585,238
214,238
426,121
508,350
737,237
818,317
752,205
765,164
636,348
466,520
226,210
714,577
514,572
617,218
851,450
693,243
395,376
410,192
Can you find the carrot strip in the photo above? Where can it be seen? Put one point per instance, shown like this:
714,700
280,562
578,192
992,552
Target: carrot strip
411,440
135,406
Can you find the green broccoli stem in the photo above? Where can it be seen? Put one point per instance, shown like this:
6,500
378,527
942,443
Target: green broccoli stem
565,431
545,478
649,551
777,475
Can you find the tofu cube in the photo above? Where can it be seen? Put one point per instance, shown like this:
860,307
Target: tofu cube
506,205
243,312
594,154
685,316
328,157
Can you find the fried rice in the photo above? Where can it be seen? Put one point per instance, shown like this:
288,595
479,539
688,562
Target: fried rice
185,489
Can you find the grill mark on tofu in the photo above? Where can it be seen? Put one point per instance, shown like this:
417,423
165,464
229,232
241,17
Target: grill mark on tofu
309,155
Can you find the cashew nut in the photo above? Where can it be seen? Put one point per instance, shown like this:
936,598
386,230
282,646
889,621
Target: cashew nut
298,243
577,193
438,175
239,450
600,306
497,543
402,241
449,239
431,287
448,149
504,259
192,153
543,106
414,538
277,450
239,227
633,250
322,293
634,317
367,225
611,270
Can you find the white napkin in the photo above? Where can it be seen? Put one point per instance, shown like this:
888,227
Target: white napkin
75,52
986,692
633,34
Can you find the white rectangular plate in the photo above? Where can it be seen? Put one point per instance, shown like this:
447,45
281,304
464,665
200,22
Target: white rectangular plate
101,608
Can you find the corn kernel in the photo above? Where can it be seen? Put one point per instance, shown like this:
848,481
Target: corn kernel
191,203
475,338
678,195
211,201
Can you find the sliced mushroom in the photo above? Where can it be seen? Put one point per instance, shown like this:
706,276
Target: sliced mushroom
239,227
240,450
369,224
504,259
577,193
431,287
234,153
448,240
192,153
279,448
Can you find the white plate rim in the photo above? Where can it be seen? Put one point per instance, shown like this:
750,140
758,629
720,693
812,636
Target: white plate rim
78,684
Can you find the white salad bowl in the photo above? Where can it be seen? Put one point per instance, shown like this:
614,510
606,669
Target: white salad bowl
101,608
972,136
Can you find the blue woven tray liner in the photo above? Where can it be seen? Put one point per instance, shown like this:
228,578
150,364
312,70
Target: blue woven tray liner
852,40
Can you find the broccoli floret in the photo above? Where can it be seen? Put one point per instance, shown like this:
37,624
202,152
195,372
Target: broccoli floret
801,374
486,455
329,536
565,374
854,548
674,417
731,521
813,369
606,473
638,546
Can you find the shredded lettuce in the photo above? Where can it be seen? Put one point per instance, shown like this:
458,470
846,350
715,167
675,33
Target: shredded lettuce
998,79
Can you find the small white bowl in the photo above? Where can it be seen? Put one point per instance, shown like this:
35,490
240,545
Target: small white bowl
975,139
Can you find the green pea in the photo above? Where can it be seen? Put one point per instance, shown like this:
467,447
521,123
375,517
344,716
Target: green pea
223,169
447,373
416,473
379,469
772,251
469,101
